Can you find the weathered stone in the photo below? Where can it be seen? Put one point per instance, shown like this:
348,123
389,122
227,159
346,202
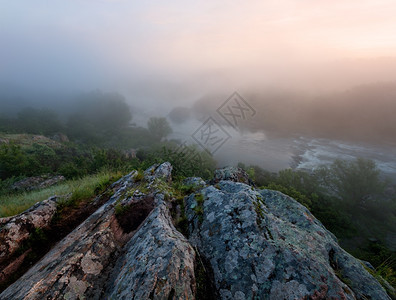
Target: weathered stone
4,141
60,137
232,174
160,171
79,266
158,263
195,182
37,182
76,266
15,230
265,245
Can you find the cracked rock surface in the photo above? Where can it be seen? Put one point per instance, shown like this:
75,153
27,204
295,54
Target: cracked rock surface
15,230
262,244
74,267
158,263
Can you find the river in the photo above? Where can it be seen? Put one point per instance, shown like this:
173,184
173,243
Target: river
301,152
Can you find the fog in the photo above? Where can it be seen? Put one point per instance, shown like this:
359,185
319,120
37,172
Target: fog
322,70
114,44
301,94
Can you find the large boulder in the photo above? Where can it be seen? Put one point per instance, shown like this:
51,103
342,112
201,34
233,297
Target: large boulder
159,171
262,244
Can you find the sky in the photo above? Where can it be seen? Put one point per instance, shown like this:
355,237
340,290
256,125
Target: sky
116,44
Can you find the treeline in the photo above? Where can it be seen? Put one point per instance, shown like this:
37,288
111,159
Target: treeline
100,119
78,160
71,161
94,135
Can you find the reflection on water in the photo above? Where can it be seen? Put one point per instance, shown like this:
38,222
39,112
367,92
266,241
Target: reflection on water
275,154
257,149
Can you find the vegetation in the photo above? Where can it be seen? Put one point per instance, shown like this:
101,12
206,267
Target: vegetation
31,120
199,208
159,127
70,160
187,161
356,182
347,196
81,189
95,119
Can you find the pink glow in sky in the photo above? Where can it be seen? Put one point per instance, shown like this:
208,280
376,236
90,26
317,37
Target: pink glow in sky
178,36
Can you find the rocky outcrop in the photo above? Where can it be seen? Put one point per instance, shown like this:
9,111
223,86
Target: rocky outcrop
37,182
4,141
241,243
60,137
159,171
232,174
75,267
158,262
15,230
80,266
263,243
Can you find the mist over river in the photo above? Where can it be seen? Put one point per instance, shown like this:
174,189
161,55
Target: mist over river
298,152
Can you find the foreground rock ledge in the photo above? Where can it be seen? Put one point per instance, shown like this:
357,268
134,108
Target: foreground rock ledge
247,243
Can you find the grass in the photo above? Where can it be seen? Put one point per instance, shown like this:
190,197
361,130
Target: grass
27,140
139,176
80,189
385,272
199,210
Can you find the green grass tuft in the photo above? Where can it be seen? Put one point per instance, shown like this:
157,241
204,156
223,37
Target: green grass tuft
139,176
80,189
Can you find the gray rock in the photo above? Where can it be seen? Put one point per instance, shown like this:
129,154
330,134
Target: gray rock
79,267
15,230
195,182
60,137
37,182
159,171
158,264
4,141
231,173
265,245
76,267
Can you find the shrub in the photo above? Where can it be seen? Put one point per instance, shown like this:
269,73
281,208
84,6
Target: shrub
292,192
159,128
352,181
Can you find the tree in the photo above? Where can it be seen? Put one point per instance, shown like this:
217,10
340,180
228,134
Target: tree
39,121
98,117
353,181
159,127
179,114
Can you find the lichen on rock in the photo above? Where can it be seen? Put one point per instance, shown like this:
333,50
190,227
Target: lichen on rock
264,244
